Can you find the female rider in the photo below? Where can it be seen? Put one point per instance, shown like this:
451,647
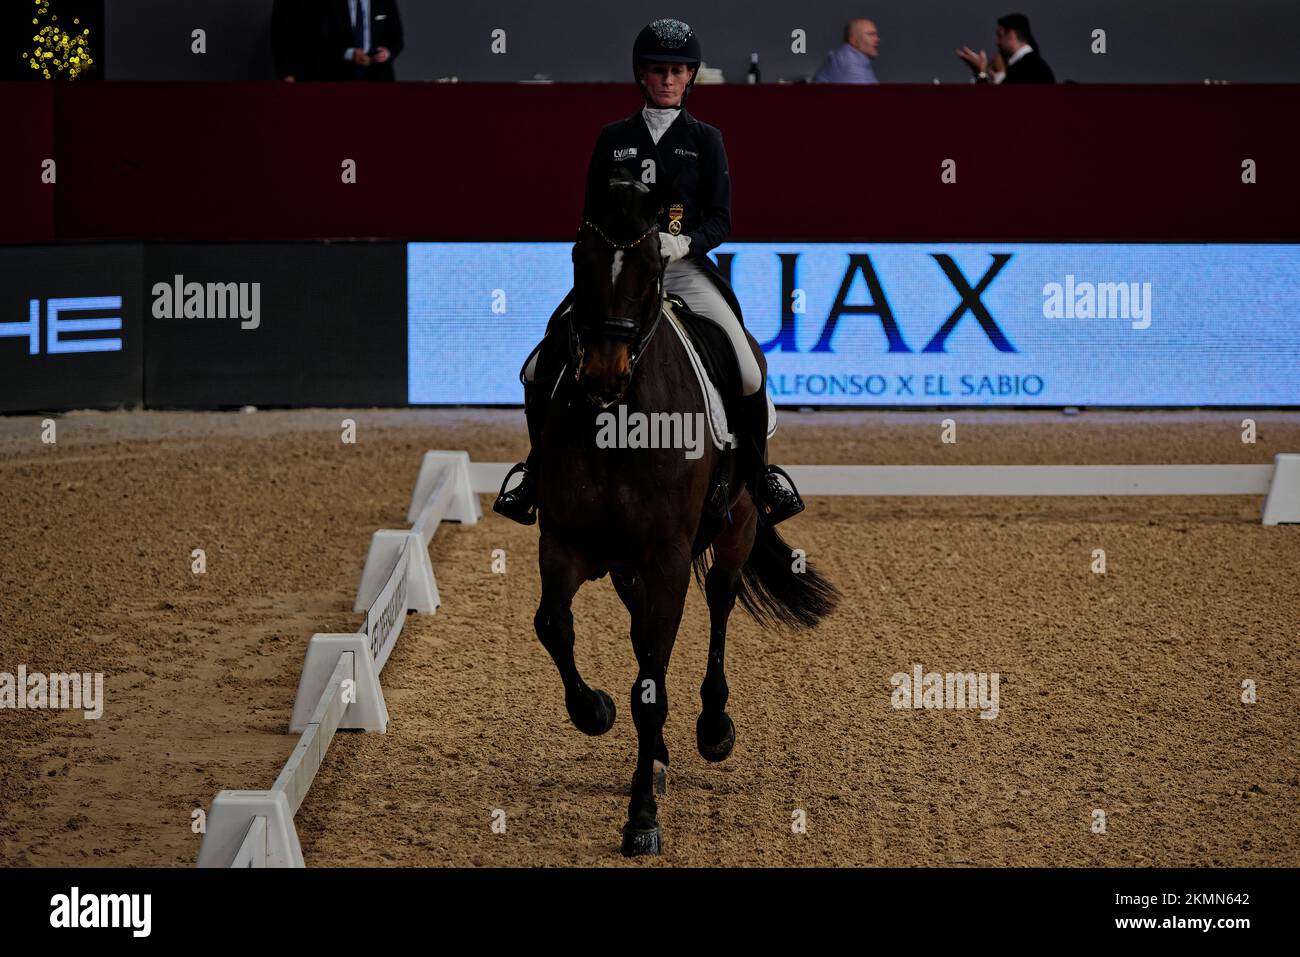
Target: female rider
657,143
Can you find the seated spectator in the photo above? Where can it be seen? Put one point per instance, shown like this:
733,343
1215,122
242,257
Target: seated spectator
851,61
1016,44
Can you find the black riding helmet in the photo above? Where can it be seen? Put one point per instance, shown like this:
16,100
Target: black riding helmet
666,41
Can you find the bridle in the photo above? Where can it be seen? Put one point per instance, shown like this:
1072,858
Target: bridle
618,327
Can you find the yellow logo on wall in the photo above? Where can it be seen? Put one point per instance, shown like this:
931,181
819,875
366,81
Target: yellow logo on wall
58,53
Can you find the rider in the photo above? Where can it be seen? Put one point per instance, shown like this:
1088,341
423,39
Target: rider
696,218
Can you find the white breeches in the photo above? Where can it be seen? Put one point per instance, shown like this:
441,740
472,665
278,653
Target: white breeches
690,280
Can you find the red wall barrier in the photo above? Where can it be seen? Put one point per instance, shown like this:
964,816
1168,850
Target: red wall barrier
26,141
251,161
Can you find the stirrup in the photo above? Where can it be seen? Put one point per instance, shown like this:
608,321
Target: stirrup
519,504
719,497
774,501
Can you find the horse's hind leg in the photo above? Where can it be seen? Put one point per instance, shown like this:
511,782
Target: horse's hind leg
563,572
715,733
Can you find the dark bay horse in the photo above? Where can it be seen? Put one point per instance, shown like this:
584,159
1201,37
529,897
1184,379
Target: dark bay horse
636,513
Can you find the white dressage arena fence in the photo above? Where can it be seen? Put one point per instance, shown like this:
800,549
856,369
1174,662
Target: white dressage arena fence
339,686
1279,482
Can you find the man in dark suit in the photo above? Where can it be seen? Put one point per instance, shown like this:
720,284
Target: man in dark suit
1017,45
348,39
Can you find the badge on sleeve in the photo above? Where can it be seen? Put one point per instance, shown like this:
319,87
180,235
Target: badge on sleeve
675,218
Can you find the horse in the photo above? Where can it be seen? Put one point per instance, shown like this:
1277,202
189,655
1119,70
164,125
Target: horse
640,514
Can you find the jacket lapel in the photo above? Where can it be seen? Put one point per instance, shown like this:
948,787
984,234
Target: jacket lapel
676,135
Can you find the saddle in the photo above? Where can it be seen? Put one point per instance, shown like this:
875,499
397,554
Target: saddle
714,363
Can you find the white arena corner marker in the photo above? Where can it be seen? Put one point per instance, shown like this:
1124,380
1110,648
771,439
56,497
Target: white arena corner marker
250,829
368,712
464,507
385,547
1283,503
443,492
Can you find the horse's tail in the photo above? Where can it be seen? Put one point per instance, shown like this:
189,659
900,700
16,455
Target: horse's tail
776,585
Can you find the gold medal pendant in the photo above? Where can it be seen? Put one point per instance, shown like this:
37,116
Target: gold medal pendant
675,212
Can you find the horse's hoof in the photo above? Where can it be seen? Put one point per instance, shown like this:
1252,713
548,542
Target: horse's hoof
719,748
637,843
596,715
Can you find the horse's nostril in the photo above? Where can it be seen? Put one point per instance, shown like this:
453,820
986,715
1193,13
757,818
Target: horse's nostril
595,392
602,392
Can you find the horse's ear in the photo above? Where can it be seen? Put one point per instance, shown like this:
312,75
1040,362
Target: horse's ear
624,197
621,175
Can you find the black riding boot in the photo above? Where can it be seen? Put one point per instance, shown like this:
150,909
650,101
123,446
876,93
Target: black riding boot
776,500
519,504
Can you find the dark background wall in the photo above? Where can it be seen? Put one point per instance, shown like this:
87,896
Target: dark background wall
1135,163
1148,41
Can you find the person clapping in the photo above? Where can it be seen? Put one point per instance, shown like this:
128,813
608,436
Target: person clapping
1016,45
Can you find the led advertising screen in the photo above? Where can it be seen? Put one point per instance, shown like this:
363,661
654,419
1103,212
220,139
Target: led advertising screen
974,324
274,324
71,334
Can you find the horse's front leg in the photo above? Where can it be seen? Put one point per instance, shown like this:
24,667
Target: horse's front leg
564,569
655,601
